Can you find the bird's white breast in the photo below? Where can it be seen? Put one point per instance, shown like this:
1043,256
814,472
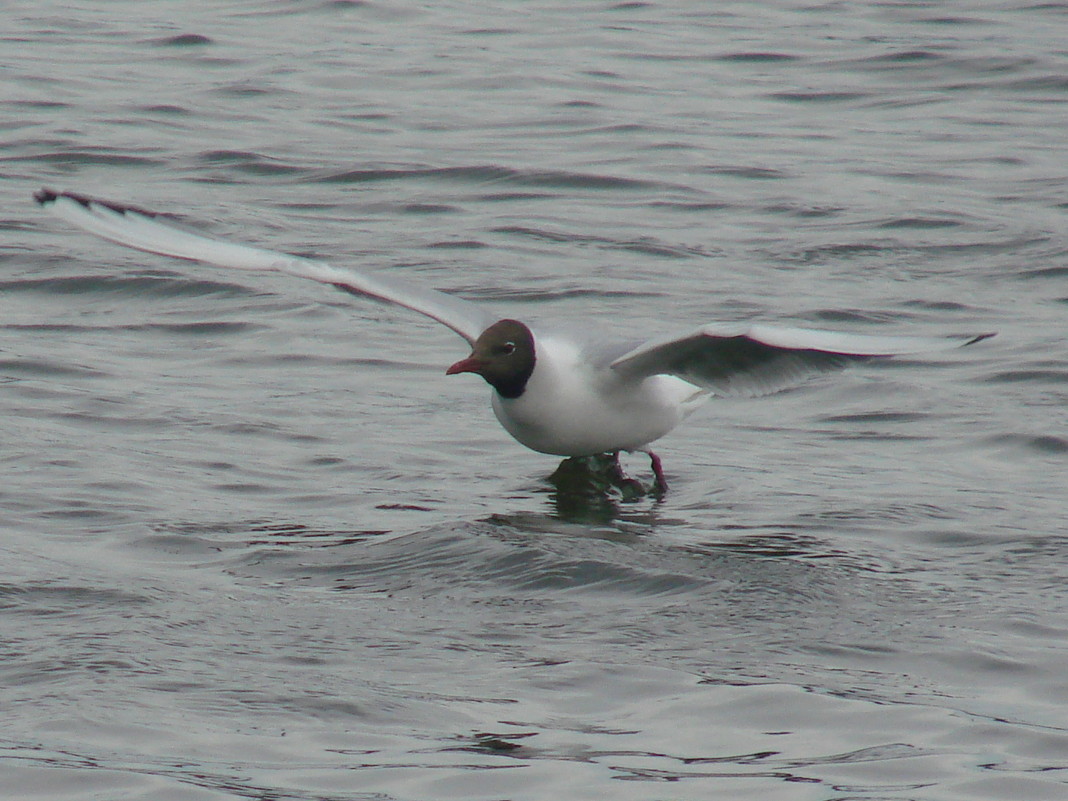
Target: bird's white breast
573,408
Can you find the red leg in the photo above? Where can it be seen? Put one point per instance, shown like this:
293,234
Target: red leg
658,471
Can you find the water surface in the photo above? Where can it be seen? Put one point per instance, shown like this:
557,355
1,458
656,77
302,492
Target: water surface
257,545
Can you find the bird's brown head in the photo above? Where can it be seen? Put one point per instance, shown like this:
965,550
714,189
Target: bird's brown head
503,355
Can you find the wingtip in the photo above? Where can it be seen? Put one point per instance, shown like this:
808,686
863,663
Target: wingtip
45,196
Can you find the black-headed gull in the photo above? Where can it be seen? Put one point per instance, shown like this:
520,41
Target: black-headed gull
557,391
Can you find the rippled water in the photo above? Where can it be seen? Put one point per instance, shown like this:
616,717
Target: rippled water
256,545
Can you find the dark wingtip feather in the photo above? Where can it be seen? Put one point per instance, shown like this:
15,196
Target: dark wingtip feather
46,196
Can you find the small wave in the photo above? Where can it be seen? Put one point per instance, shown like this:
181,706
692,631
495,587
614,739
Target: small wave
646,245
748,171
458,244
248,89
486,174
547,295
803,211
1038,443
698,206
939,306
758,58
36,104
140,286
920,223
489,555
1057,83
819,97
37,368
1057,272
428,208
91,156
1054,373
498,559
845,250
55,598
878,515
875,417
166,109
183,40
247,162
866,316
903,57
207,328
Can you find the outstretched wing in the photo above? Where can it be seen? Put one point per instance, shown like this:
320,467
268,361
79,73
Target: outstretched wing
145,230
763,359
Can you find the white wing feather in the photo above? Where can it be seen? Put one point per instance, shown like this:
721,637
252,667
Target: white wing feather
144,230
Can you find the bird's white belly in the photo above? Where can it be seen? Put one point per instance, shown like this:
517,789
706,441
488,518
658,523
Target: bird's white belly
568,410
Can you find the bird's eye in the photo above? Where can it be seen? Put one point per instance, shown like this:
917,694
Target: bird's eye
507,348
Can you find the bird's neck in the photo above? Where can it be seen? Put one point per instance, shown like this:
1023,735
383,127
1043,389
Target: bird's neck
513,386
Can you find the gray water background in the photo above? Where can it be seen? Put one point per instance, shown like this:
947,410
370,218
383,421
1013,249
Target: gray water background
256,545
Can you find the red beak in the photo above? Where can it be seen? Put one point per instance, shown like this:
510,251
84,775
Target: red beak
469,365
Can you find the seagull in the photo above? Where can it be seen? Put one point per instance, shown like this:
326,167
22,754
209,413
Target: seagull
563,390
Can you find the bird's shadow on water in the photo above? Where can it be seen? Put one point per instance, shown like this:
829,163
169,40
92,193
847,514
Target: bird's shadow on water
595,489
